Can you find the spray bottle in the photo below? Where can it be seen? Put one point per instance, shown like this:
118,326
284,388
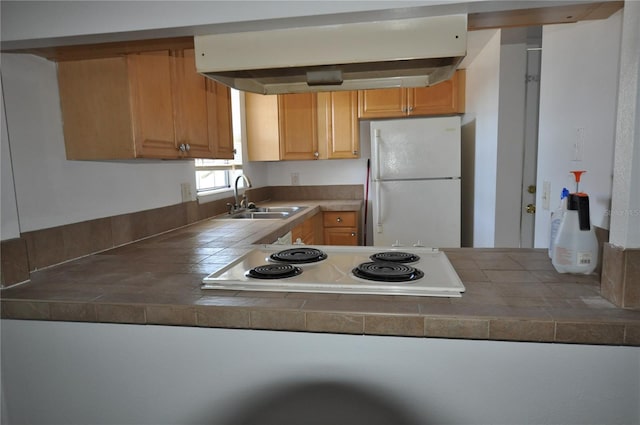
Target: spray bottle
556,219
576,246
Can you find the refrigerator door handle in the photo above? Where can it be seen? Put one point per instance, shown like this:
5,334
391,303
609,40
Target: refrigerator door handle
376,153
378,208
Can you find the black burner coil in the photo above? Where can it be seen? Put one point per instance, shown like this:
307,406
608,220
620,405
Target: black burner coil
302,255
386,271
274,271
395,257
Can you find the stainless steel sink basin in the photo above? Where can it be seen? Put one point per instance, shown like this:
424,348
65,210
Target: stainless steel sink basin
261,215
268,213
290,210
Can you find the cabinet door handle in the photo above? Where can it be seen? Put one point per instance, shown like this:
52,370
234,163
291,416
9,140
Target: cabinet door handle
316,155
410,108
187,147
353,234
182,147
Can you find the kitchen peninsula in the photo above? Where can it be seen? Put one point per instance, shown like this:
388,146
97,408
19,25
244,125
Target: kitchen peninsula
511,294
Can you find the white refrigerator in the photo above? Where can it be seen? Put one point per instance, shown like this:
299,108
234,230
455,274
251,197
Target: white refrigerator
415,173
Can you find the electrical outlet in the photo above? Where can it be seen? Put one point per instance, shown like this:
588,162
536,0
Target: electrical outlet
185,189
295,179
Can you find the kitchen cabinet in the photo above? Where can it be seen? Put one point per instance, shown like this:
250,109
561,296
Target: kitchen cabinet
338,126
310,231
340,227
151,104
445,98
281,127
302,126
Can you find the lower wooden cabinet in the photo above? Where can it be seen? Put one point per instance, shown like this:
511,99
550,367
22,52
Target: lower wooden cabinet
309,232
340,227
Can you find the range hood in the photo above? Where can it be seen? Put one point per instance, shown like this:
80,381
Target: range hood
414,52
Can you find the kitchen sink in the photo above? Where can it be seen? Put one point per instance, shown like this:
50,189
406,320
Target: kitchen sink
268,213
289,210
261,215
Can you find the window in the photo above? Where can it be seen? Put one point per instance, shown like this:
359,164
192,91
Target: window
218,174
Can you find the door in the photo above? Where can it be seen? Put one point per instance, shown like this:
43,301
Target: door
416,148
426,212
528,207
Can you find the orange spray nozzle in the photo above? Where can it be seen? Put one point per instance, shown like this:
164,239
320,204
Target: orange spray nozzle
577,175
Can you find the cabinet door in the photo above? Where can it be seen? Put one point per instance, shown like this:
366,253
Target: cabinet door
96,113
382,103
305,232
298,126
263,134
203,111
341,124
190,94
442,98
220,127
152,105
340,236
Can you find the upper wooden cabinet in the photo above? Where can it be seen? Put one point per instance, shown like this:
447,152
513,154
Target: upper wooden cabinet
281,127
302,126
445,98
143,105
338,126
298,126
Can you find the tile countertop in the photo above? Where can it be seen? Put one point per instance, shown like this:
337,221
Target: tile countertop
511,294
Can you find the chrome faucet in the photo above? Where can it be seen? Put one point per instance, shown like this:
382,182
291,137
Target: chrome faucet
247,184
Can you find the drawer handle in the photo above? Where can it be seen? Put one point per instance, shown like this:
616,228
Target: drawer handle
339,219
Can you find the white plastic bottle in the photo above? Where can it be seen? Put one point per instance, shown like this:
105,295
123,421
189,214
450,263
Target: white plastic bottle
556,219
576,246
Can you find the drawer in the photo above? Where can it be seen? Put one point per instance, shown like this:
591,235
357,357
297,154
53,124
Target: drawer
339,219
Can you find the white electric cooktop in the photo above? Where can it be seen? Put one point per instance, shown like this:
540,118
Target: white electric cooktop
342,270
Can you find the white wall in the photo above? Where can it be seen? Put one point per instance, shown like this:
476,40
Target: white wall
72,373
511,113
578,89
343,171
52,191
480,142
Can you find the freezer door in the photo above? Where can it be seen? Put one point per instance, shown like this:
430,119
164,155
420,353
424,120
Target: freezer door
426,212
416,148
